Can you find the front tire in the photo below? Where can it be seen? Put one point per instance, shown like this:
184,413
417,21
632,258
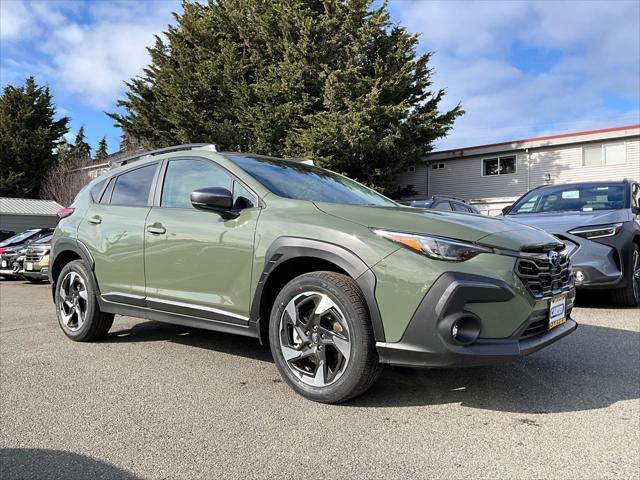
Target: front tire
629,296
77,308
321,338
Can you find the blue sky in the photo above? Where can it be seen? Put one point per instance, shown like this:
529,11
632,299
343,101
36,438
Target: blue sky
518,68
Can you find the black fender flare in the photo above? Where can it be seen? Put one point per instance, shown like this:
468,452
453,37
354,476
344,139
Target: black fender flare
66,244
286,248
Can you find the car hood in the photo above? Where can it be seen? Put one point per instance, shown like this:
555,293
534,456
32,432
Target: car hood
564,221
489,231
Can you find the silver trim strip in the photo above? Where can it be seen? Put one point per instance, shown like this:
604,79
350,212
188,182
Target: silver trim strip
198,307
217,311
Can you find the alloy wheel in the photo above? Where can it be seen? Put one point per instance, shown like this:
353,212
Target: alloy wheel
72,301
314,339
636,275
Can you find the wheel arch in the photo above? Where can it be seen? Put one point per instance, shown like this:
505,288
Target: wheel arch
66,250
289,257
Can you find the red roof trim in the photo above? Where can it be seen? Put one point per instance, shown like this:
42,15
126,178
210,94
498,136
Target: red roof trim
550,137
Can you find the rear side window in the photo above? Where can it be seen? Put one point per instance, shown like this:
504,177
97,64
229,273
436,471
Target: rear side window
635,195
458,207
443,207
132,188
96,190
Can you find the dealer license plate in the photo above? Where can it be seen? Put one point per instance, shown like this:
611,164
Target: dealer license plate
557,311
4,264
29,266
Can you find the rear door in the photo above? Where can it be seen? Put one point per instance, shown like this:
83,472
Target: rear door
113,231
198,263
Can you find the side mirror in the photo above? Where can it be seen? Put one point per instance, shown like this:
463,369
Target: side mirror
219,200
635,210
506,209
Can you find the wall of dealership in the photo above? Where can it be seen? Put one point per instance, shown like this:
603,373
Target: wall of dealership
495,175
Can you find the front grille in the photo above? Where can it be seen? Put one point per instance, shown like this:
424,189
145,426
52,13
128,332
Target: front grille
33,257
543,279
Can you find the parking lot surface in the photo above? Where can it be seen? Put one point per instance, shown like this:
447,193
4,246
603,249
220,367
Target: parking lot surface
160,401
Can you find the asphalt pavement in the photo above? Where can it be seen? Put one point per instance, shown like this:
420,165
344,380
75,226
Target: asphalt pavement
161,401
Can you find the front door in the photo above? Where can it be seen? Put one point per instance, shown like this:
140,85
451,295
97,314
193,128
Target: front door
196,262
113,231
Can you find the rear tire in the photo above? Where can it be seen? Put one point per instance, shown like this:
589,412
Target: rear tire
77,308
321,338
629,296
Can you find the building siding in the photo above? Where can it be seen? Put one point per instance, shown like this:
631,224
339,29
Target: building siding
463,178
553,164
419,178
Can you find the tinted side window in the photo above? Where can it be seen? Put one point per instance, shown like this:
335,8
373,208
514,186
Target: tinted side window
132,188
443,207
458,207
96,190
106,196
185,176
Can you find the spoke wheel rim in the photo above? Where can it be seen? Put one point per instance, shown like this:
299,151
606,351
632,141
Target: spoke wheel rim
636,274
72,301
315,341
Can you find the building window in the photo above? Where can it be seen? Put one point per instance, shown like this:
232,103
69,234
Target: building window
441,165
603,154
499,166
411,169
433,166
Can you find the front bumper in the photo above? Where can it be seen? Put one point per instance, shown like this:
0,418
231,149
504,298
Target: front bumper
427,341
602,261
37,275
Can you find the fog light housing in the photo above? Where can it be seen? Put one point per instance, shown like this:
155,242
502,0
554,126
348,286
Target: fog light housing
579,276
464,329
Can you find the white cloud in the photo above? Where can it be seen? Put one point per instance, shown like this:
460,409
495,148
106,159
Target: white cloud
14,20
91,49
594,52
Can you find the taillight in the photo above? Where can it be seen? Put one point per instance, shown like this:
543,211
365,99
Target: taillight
64,213
2,250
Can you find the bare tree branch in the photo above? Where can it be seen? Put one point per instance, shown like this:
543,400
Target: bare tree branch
64,180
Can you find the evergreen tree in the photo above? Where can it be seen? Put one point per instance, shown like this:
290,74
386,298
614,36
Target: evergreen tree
63,150
332,80
81,148
29,136
101,152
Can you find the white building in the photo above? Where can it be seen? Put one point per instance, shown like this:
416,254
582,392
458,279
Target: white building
493,176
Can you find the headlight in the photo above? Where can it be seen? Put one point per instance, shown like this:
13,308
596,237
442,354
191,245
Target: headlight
599,231
438,248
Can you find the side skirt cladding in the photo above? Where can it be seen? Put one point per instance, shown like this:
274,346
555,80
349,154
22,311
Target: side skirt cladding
284,249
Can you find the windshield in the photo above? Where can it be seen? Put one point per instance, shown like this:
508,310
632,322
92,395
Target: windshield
571,198
45,239
18,238
299,181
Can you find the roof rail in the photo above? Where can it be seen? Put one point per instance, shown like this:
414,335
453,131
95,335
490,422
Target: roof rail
450,197
176,148
306,161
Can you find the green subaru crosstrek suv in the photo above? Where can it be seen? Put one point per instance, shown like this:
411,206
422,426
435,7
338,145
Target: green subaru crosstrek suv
335,277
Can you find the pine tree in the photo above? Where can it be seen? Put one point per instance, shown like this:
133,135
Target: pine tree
333,80
101,152
81,148
29,136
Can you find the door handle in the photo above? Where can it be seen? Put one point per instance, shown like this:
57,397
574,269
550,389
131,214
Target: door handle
156,229
95,220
